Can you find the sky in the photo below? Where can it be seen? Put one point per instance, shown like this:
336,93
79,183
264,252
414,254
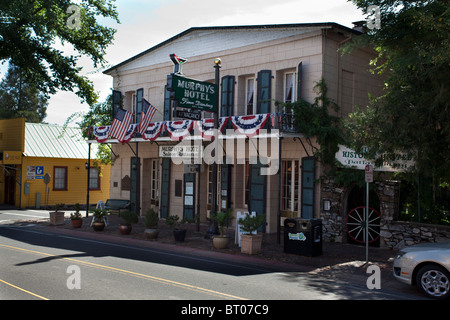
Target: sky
146,23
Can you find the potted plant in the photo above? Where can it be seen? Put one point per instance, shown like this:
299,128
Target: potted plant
251,242
178,233
151,224
222,218
128,217
57,216
76,218
99,219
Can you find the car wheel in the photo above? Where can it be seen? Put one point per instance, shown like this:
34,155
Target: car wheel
434,281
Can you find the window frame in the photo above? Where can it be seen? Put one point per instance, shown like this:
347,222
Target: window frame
65,188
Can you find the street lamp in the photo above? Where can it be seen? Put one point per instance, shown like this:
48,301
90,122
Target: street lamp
217,66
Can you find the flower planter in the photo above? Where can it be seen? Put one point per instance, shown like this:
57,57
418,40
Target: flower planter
77,223
98,226
125,228
251,244
56,218
179,234
151,234
221,242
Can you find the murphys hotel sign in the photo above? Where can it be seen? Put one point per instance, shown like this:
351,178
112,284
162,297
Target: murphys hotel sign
352,159
194,94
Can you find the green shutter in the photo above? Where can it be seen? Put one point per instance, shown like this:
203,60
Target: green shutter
299,81
227,95
167,103
308,166
116,102
139,98
257,198
264,91
165,187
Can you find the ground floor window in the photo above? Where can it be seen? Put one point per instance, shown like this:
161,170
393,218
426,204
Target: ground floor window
154,192
94,178
290,185
60,178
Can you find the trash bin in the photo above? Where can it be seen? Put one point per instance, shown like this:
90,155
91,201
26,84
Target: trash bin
303,237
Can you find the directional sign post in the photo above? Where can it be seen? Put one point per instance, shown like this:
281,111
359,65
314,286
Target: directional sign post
369,179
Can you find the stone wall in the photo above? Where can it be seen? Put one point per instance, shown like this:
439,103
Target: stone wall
393,234
398,234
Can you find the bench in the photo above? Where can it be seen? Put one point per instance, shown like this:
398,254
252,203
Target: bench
117,204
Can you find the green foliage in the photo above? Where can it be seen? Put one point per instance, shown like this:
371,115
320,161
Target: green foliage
21,98
31,32
129,217
223,218
314,120
252,223
151,219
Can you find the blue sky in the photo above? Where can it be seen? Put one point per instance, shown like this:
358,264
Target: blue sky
145,23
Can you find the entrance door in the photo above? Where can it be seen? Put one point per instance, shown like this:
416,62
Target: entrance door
257,199
165,187
189,196
10,187
308,187
135,162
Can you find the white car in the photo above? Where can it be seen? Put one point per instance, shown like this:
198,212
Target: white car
427,266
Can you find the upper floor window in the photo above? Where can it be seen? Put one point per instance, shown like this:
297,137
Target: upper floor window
289,91
250,96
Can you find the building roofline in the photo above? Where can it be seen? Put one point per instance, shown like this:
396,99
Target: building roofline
241,27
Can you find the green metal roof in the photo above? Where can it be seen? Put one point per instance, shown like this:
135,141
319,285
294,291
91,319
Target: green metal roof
52,141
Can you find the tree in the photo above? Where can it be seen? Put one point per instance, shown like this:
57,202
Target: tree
32,30
413,115
20,98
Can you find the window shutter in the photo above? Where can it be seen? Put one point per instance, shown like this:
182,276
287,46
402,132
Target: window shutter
264,91
165,187
116,102
167,102
299,81
308,177
227,95
139,99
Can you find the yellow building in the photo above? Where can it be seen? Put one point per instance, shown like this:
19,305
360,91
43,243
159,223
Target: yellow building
46,164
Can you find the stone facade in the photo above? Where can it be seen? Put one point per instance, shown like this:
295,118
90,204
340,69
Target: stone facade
393,234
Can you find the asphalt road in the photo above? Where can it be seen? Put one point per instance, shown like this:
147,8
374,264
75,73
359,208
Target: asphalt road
36,264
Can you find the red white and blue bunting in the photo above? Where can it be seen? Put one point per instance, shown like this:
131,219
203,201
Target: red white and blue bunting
249,125
153,131
101,133
179,129
246,125
206,127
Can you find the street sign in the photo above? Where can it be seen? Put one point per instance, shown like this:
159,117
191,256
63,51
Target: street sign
369,173
193,94
185,114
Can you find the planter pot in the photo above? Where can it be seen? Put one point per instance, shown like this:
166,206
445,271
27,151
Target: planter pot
221,242
56,218
251,244
151,234
125,228
98,226
77,223
179,234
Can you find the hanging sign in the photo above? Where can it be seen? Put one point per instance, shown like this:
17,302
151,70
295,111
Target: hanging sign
195,94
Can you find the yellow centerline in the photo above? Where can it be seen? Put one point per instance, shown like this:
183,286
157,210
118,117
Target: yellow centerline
131,273
21,289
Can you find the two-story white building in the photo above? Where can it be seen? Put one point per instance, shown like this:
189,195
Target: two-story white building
260,65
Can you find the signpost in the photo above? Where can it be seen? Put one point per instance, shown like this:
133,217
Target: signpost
369,179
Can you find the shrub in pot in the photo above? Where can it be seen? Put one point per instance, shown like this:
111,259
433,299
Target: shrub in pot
251,243
57,216
222,218
77,220
128,218
151,224
175,223
98,224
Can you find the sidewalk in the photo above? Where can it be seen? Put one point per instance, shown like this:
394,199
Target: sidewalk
343,261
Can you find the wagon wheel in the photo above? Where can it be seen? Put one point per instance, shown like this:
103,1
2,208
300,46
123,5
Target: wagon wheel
355,224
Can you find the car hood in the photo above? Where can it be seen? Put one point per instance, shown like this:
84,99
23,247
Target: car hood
428,246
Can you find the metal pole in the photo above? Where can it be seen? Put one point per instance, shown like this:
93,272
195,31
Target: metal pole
217,66
367,222
88,178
